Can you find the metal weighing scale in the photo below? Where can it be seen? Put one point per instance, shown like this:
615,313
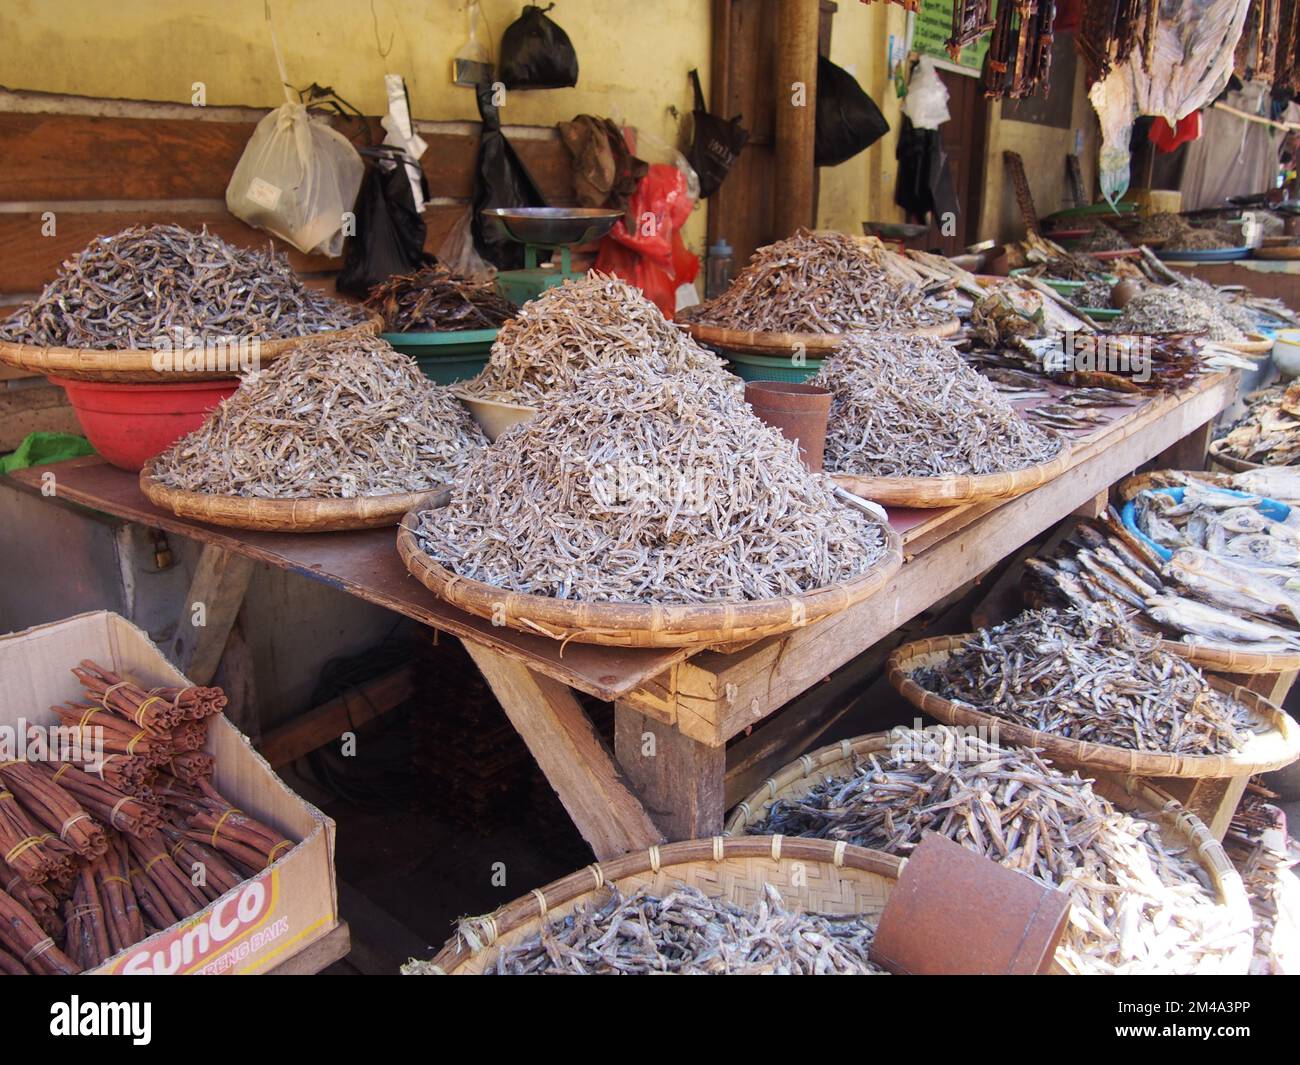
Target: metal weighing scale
545,229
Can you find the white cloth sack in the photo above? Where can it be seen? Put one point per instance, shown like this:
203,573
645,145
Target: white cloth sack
296,179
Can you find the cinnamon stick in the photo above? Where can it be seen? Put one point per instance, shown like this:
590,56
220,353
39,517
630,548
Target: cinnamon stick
23,937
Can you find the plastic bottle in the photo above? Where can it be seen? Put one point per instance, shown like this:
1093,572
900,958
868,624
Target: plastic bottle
717,275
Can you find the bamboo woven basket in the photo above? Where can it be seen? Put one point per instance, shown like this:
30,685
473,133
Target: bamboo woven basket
283,515
815,875
814,345
1277,744
136,365
837,760
1220,457
641,624
957,489
1212,658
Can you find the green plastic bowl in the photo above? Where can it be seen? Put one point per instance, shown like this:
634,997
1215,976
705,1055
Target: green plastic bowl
1102,314
769,368
446,357
1065,288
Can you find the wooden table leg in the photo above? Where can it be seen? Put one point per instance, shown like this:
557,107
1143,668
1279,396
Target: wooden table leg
575,760
1189,453
213,602
681,782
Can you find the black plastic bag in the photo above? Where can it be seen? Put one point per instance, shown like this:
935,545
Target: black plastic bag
536,53
390,232
716,144
500,180
848,120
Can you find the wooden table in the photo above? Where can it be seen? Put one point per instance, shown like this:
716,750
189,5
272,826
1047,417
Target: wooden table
675,709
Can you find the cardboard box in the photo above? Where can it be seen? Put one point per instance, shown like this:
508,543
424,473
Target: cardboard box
265,920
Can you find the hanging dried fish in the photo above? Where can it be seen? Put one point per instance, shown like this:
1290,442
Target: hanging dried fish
1139,904
589,326
339,420
150,283
909,406
686,932
1086,674
436,300
970,21
817,283
644,488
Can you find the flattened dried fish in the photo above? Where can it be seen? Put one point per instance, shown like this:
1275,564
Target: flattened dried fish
435,300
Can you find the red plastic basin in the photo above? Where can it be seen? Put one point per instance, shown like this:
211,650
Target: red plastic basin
130,424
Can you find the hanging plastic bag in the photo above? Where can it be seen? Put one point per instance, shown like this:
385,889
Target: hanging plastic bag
651,255
848,120
390,232
536,53
715,143
927,97
297,176
500,180
459,255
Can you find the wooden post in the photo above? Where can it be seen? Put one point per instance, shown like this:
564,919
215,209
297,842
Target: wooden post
796,83
680,781
215,597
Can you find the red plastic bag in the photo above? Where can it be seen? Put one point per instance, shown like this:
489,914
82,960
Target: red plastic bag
1166,138
651,255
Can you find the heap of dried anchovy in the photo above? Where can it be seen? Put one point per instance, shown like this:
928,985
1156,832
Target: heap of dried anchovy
336,420
1161,226
151,282
1194,239
1139,903
817,283
1174,310
1103,237
909,406
648,489
1086,674
436,300
587,326
1225,303
1094,294
688,933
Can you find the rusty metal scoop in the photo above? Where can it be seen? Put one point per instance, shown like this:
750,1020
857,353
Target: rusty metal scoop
955,912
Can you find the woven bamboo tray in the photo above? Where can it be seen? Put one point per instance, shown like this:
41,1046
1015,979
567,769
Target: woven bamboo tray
1177,824
815,875
814,345
1220,457
1281,251
283,515
136,365
641,624
1254,344
1275,746
957,489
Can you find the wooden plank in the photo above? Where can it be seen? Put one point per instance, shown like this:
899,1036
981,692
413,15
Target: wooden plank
327,722
365,564
714,697
574,758
796,63
680,782
324,952
211,606
1190,452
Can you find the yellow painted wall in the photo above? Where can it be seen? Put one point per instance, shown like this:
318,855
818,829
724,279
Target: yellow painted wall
633,54
862,188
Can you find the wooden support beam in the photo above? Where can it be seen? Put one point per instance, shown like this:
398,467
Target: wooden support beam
214,599
325,723
796,117
680,781
566,747
1190,452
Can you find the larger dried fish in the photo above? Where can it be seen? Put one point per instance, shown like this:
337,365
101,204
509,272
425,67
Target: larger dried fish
818,283
685,932
640,487
340,419
436,300
588,326
1086,674
1139,903
909,406
162,282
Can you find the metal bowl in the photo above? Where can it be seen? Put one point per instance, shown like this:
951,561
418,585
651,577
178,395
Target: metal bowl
895,230
552,227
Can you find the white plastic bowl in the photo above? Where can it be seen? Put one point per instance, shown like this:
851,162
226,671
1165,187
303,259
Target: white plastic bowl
494,418
1286,352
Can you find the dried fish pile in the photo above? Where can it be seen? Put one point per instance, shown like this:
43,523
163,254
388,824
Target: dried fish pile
686,933
336,420
1103,237
648,490
1269,431
1046,258
1158,227
909,406
1196,239
1094,294
1085,674
153,282
592,326
1140,903
435,300
1226,303
1175,310
818,283
1258,845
